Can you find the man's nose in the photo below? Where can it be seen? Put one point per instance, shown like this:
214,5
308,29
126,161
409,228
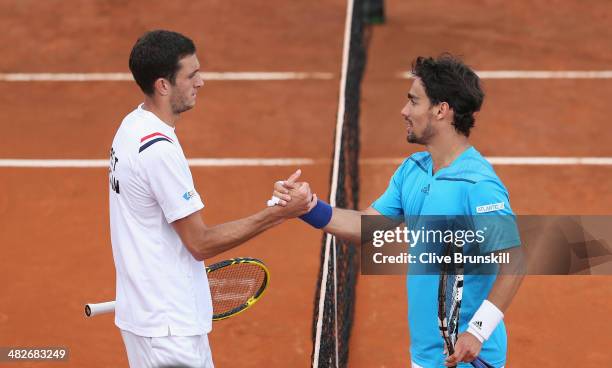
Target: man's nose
199,81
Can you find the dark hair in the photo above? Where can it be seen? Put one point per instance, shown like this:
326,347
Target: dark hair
447,79
156,55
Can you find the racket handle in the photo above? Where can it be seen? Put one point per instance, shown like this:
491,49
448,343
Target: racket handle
93,309
479,363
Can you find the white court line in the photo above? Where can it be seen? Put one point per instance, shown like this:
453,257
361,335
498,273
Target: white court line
122,77
194,162
263,162
535,74
503,161
283,76
228,162
550,160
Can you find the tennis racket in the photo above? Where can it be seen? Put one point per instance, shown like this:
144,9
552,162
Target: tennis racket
450,295
235,285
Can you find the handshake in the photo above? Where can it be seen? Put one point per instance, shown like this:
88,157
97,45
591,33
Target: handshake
291,198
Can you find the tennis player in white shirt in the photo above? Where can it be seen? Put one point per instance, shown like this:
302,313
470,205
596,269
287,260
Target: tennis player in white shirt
163,304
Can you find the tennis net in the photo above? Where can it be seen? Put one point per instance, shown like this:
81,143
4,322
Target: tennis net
335,295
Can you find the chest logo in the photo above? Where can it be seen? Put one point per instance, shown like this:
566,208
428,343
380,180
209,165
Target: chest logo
425,189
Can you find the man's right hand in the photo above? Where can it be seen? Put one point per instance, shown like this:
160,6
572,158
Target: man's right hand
295,198
282,188
301,201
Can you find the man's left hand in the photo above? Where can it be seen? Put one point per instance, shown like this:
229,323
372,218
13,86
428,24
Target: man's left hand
467,349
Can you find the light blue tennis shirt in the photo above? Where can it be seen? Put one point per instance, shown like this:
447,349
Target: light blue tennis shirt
468,187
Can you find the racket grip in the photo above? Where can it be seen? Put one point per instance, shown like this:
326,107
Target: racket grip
479,363
93,309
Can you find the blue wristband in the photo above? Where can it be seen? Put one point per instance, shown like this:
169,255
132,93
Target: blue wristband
319,216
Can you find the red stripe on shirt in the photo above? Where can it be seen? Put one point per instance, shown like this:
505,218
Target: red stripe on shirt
153,135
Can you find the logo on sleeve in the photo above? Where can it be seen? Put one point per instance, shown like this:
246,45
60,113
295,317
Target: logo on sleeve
490,207
190,194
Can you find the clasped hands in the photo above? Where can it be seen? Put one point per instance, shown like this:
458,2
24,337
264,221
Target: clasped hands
293,198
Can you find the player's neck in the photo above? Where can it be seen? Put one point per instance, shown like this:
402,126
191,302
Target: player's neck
445,150
161,109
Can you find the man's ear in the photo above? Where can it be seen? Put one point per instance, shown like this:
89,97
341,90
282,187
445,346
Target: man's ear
162,86
442,110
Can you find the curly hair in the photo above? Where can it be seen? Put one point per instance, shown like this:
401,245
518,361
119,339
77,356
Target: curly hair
447,79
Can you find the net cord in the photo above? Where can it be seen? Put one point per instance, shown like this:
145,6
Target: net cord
334,183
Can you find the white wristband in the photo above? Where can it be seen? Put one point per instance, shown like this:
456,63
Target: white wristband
486,318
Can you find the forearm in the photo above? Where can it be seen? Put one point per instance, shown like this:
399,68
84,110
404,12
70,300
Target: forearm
491,311
503,290
508,280
219,238
345,224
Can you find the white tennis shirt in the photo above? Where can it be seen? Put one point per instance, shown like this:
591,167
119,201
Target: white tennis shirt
161,289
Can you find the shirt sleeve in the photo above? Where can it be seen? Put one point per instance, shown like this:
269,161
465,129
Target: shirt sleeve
390,203
490,211
170,181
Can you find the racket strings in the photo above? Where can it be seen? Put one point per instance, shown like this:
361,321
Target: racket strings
233,286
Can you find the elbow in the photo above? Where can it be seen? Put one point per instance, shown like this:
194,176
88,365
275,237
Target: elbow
203,244
194,236
205,254
198,250
200,254
200,257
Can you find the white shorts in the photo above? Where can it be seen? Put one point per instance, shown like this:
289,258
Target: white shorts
167,351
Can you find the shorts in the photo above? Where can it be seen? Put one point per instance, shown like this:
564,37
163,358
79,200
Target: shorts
167,351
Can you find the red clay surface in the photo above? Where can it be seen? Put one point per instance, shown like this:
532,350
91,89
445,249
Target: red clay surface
54,234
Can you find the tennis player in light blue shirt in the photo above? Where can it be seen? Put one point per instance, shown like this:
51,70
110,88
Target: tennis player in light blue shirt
462,189
449,178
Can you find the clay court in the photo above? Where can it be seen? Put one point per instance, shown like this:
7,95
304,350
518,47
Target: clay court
56,252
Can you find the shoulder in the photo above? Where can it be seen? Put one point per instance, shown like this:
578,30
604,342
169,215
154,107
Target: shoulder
158,152
475,170
142,127
149,136
420,160
155,141
416,163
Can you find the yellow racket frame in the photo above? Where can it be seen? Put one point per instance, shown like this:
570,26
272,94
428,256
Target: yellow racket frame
252,300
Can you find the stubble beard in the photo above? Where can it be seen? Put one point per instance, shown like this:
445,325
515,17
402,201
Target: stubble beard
179,105
425,138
